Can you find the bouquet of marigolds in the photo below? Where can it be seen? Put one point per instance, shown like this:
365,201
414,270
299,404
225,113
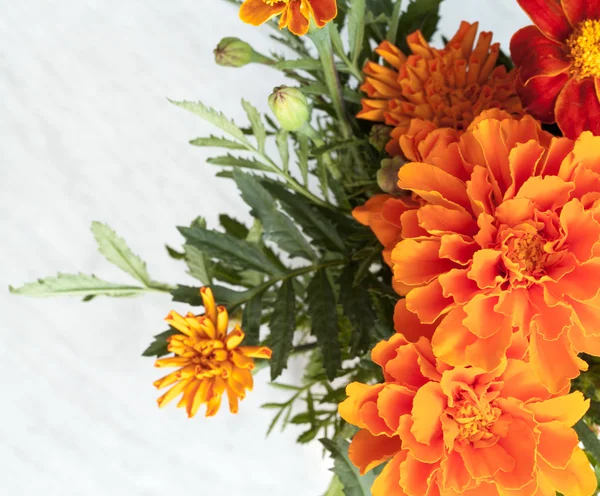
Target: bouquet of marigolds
426,231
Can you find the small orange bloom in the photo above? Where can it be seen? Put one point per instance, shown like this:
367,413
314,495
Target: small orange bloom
448,431
295,14
448,87
559,63
506,250
210,361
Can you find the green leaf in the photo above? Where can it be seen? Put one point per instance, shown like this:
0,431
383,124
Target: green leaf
335,488
187,294
81,285
229,249
356,305
217,142
277,226
233,227
158,347
258,128
317,227
231,161
282,327
324,321
336,145
173,253
308,435
422,15
116,251
356,28
283,147
303,157
251,320
199,264
354,484
217,119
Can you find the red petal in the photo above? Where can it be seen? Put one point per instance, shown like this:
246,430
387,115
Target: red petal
535,55
540,94
579,10
549,16
578,108
296,22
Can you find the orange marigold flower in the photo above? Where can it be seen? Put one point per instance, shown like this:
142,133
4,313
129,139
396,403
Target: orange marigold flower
446,431
210,360
295,14
507,248
559,63
448,87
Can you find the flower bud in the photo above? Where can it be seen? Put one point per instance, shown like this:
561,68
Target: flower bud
379,136
233,52
290,107
387,175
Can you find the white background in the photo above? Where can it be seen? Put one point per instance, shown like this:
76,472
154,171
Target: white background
86,133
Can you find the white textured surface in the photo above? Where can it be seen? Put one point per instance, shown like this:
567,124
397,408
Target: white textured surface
86,133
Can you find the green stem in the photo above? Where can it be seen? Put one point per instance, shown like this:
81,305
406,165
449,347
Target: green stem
590,441
322,40
259,58
312,134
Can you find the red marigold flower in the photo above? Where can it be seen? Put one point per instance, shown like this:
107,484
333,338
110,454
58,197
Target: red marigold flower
448,87
506,250
446,431
295,14
559,63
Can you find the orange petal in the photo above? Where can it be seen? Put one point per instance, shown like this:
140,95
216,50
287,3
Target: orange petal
393,402
358,395
428,302
582,232
408,324
557,443
296,22
486,462
488,135
485,270
520,444
425,452
482,319
256,351
458,248
455,475
567,409
256,12
388,482
415,476
436,219
428,405
523,161
434,185
577,479
418,262
457,284
547,193
367,451
521,382
451,338
323,10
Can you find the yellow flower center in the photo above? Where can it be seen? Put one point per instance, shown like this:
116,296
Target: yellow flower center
528,253
474,420
584,46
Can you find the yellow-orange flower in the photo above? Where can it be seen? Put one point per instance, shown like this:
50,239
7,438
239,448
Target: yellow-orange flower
449,431
295,14
448,87
210,360
507,249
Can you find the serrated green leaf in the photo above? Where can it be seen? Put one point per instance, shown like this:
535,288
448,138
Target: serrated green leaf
277,226
308,435
116,251
81,285
251,320
217,119
231,161
217,142
422,15
354,484
233,227
158,347
187,294
324,323
303,157
199,265
335,488
229,249
356,28
173,253
356,305
258,128
283,147
282,327
316,226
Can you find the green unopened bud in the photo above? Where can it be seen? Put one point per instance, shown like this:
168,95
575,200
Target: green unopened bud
379,136
387,176
290,107
233,52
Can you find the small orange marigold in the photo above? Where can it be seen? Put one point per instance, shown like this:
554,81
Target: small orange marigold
448,87
209,359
